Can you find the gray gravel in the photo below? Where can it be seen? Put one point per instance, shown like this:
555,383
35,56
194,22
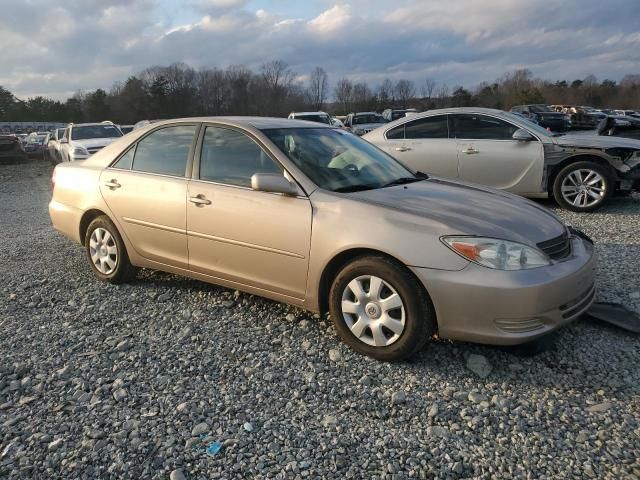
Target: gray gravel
136,381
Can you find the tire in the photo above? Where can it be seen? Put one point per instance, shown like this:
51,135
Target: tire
108,257
416,311
572,187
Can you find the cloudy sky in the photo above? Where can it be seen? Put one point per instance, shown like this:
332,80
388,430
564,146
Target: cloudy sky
57,47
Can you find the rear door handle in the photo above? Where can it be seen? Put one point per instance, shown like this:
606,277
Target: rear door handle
112,184
200,200
402,149
470,151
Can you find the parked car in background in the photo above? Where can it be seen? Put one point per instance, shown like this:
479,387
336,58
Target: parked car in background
313,216
336,122
35,143
125,129
391,114
53,152
507,152
620,126
363,122
11,148
82,140
319,117
544,116
581,118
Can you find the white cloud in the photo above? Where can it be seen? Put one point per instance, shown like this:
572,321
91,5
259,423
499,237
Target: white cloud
58,48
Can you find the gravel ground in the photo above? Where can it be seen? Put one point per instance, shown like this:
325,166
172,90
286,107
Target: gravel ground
136,381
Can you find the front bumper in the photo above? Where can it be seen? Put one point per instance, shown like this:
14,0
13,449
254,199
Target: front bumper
478,304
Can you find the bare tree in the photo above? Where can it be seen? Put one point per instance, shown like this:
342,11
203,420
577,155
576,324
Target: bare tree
405,91
317,91
428,87
344,93
386,94
363,98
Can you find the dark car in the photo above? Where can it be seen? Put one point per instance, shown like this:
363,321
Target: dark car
620,126
11,148
545,116
582,118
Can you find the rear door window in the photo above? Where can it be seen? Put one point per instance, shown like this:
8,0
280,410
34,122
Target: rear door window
428,127
165,151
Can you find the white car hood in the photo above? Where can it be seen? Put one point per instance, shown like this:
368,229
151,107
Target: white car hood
95,142
596,141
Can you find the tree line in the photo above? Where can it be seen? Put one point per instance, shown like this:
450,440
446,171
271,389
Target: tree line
179,90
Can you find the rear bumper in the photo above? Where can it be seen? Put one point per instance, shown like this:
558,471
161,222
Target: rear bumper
481,305
66,219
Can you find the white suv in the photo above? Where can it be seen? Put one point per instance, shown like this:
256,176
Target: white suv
84,139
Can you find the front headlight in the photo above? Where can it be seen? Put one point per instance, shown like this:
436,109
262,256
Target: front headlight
497,254
79,152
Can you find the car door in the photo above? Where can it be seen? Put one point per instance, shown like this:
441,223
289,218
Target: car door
488,155
146,189
424,145
241,235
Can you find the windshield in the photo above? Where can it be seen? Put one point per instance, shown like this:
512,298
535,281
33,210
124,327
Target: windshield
315,118
530,125
94,131
337,160
364,119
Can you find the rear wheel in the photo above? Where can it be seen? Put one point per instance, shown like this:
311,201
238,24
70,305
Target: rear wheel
582,186
379,309
107,253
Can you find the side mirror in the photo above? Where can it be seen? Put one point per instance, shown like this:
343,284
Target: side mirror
64,140
273,182
522,135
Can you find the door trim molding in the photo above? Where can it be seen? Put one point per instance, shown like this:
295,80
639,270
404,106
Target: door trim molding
154,225
244,244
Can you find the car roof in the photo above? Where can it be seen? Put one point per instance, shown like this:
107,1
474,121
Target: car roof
260,123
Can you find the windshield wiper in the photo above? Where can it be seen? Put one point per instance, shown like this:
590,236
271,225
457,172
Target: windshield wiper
352,188
403,180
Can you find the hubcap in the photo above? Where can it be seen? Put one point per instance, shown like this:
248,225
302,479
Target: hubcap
373,311
583,188
103,251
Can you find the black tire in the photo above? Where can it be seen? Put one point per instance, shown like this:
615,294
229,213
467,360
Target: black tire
420,319
583,165
123,271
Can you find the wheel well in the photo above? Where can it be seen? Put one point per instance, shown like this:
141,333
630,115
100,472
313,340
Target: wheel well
339,261
88,217
555,169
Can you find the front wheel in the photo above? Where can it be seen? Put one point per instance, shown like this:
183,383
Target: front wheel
380,310
582,186
107,253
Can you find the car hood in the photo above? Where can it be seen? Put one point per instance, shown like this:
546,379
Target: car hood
465,209
551,114
596,141
95,142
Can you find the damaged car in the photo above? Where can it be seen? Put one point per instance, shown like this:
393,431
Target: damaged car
508,152
620,126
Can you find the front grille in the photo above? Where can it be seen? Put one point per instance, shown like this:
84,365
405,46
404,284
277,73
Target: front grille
557,248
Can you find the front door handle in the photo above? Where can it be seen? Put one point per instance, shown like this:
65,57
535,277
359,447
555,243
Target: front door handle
402,149
470,151
112,184
200,200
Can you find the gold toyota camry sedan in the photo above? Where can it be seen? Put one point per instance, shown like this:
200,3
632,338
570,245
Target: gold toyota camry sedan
316,217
